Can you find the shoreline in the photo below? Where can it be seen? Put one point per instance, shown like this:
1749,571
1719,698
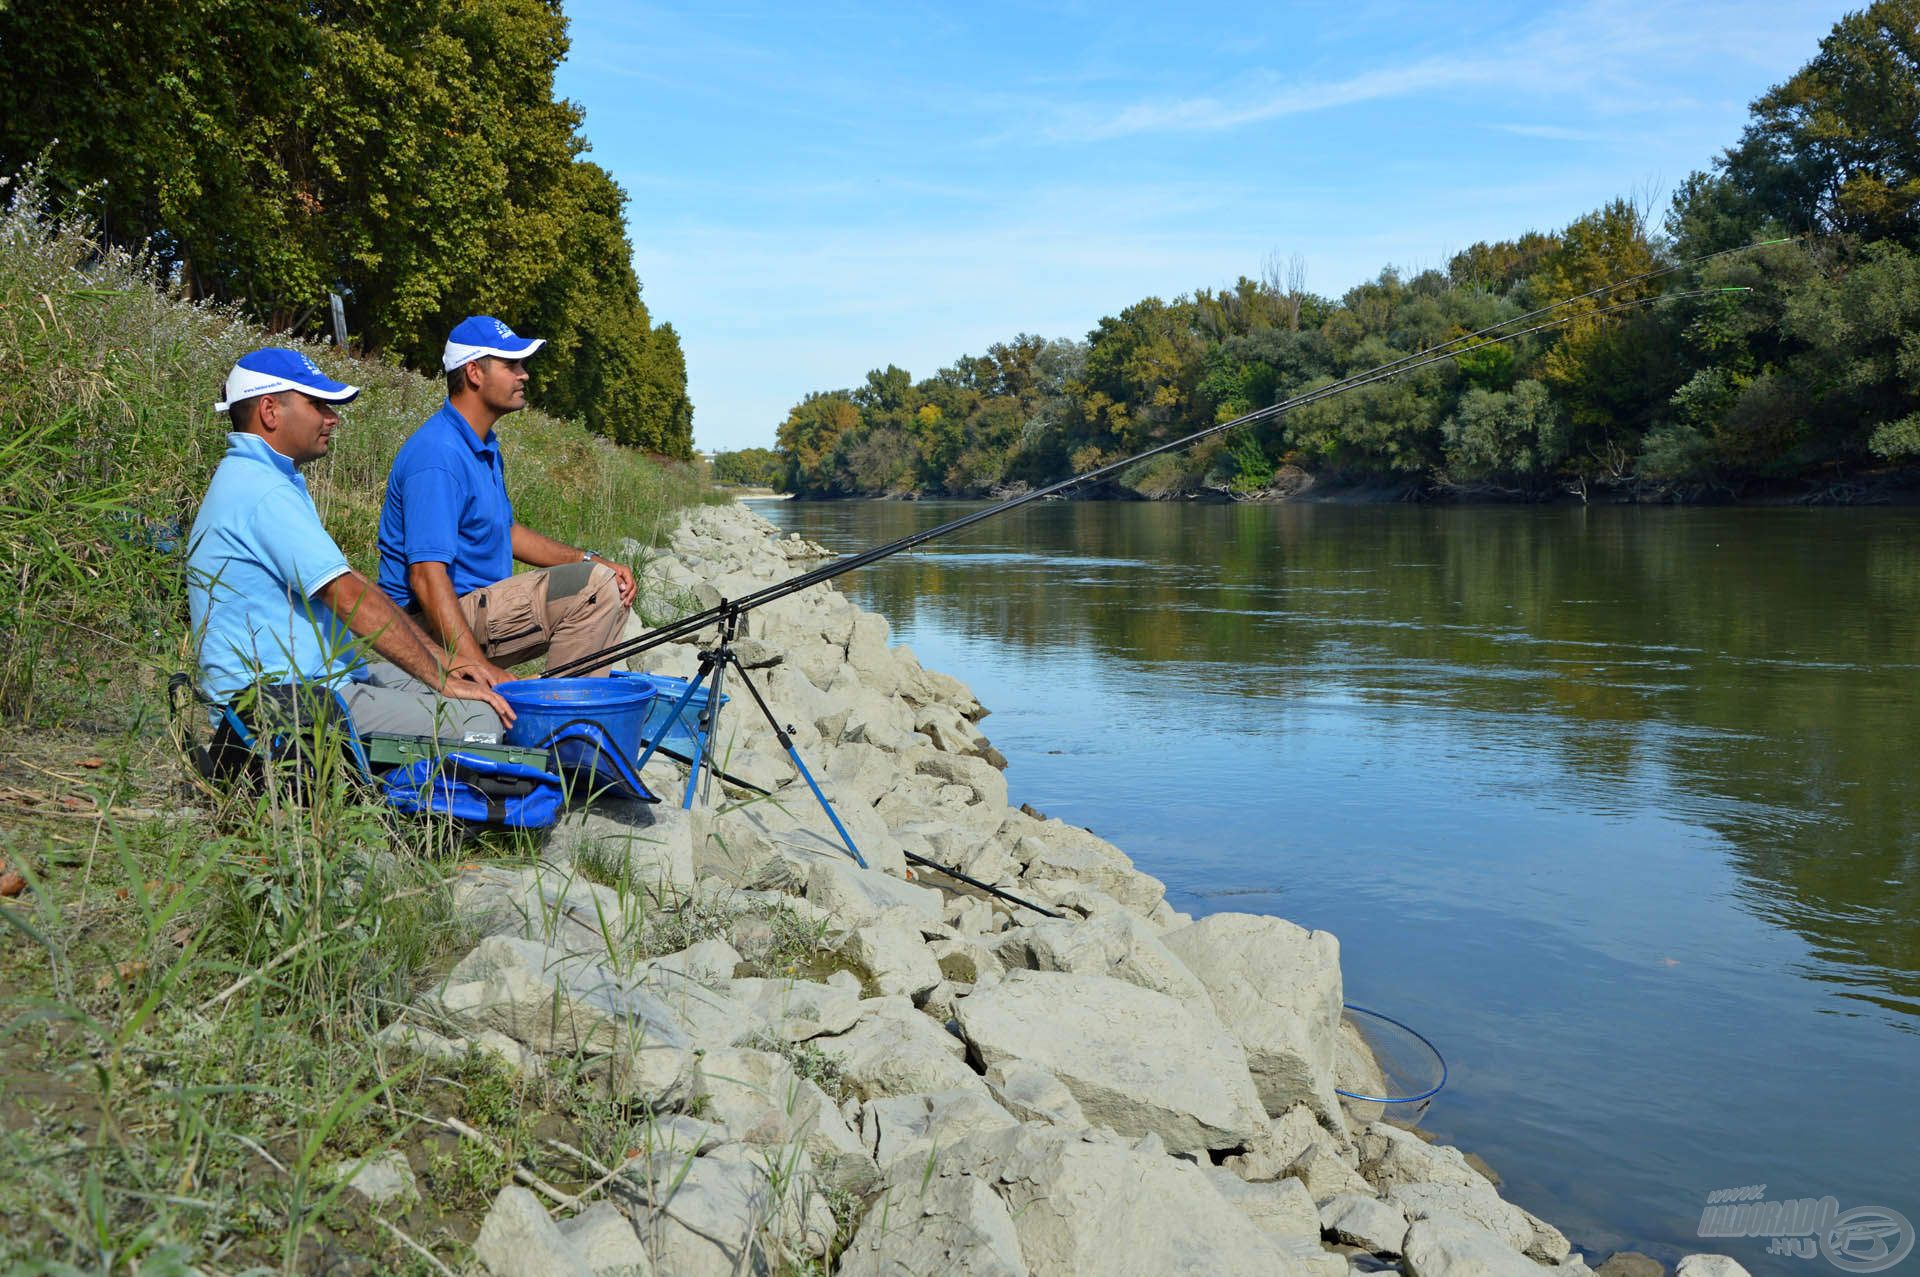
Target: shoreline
973,1087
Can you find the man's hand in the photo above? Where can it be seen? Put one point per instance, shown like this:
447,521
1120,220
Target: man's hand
467,689
478,670
625,574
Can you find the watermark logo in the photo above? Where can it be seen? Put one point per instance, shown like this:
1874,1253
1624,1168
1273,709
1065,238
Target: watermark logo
1866,1239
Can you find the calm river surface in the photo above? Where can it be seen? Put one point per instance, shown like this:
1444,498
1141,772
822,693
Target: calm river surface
1616,805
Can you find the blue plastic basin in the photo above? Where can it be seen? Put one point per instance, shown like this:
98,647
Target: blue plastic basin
667,691
542,706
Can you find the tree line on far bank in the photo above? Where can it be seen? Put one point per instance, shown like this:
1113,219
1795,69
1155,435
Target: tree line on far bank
412,156
1813,375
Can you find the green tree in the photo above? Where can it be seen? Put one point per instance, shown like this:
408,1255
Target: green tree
412,155
1836,149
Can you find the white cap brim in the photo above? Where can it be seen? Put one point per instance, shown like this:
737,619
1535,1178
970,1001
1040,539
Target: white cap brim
458,356
244,383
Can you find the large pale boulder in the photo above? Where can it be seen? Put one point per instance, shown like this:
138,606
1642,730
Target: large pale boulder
1057,850
550,904
895,1050
762,1102
796,1010
649,845
911,1126
1281,1207
1391,1156
890,957
1087,1206
1364,1221
605,1239
1032,1094
1276,986
1137,1061
1709,1266
954,1226
721,1214
553,1001
854,895
1454,1202
1120,946
517,1239
1451,1247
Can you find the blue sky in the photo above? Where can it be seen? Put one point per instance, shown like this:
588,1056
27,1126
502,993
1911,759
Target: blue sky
817,191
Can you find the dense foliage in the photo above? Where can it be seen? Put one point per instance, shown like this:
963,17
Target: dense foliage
1813,376
750,467
411,155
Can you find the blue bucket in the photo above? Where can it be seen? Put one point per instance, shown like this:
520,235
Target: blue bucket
667,691
543,706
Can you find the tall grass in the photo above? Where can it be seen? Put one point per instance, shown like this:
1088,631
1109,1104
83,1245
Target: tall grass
108,437
189,983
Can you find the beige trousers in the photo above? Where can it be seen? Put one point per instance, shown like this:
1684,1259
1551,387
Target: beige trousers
564,613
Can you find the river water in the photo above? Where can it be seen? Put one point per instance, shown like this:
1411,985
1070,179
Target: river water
1618,806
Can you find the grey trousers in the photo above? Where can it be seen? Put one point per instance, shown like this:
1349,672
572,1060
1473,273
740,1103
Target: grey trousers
393,701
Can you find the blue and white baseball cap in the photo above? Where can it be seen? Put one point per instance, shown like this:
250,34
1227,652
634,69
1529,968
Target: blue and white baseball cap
275,368
484,335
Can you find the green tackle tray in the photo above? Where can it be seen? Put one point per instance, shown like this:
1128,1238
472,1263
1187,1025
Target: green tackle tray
386,750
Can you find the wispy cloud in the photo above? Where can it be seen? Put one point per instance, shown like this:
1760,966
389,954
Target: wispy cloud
1206,114
1554,133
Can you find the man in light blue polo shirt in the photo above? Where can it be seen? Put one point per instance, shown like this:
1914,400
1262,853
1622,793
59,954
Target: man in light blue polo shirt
448,537
272,598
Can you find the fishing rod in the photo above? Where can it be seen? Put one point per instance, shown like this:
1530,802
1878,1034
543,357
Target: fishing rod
730,610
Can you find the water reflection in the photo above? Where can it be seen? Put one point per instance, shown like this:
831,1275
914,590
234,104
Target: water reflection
1620,800
1780,642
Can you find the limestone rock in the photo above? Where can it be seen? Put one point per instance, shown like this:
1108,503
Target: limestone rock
518,1240
1281,1207
1276,986
602,1237
889,958
1032,1094
909,1126
1364,1221
411,1037
1709,1266
720,1214
895,1050
1459,1248
1117,945
955,1226
1325,1173
1287,1137
1631,1263
1060,850
796,1010
651,844
965,961
1137,1061
552,1001
1481,1206
1083,1206
762,1102
1390,1156
854,895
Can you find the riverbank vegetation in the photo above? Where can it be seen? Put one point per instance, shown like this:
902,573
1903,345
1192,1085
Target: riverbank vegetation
1809,384
412,158
188,980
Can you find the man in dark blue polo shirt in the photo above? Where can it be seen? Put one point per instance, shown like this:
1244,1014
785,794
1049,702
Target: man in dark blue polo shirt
448,538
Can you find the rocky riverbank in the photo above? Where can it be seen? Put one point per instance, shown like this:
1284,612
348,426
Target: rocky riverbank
882,1071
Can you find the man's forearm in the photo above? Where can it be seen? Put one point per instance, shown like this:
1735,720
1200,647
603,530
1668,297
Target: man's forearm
372,615
541,551
440,612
